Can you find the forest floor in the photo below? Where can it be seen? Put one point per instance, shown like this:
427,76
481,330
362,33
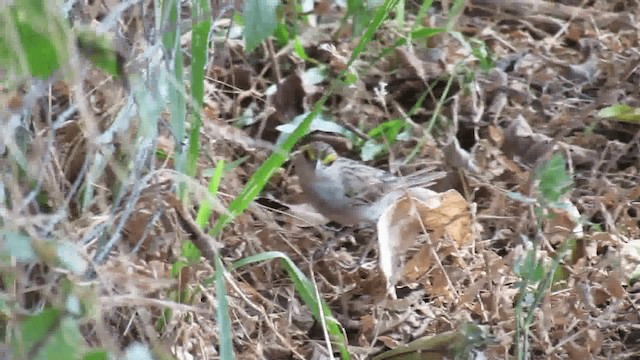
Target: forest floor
535,237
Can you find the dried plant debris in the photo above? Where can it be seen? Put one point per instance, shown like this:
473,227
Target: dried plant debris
529,244
444,216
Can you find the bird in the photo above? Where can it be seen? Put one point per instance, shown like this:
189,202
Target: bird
349,192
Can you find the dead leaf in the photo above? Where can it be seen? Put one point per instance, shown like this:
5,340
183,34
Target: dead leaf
402,222
565,223
457,157
630,259
408,62
529,147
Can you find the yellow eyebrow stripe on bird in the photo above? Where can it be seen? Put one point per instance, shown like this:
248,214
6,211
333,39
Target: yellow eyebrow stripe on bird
329,158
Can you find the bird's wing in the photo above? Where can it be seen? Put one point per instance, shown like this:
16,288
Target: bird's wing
422,178
363,184
369,185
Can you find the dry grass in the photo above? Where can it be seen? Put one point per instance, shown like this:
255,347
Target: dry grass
100,177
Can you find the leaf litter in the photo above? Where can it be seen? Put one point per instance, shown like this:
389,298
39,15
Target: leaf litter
447,264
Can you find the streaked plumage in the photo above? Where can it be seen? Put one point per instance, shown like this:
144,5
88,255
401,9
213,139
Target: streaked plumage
347,191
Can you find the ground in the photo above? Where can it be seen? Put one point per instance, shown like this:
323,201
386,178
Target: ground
532,234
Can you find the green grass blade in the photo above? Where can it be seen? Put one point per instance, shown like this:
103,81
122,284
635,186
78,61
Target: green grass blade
205,207
379,17
224,322
306,289
199,48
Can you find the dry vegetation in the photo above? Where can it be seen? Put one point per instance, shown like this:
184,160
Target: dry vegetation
100,179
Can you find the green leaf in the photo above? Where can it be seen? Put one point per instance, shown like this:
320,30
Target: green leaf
554,179
299,50
99,50
34,329
176,267
454,11
232,165
360,15
259,179
422,13
17,245
69,257
389,129
318,124
370,150
191,252
222,314
177,101
560,274
481,53
65,342
529,268
426,32
34,34
260,21
48,335
380,15
282,36
205,207
350,78
621,112
199,49
96,354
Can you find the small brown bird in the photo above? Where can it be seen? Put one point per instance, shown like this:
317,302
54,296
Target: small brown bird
349,192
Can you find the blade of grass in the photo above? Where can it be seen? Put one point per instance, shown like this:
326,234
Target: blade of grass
306,289
205,206
380,15
199,41
177,101
225,332
422,12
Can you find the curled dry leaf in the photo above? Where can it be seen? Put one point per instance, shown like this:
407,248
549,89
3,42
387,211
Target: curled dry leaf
457,157
520,141
288,101
565,224
408,62
418,210
584,71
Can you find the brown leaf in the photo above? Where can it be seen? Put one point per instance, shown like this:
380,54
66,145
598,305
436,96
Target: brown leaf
530,148
421,209
614,286
408,62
